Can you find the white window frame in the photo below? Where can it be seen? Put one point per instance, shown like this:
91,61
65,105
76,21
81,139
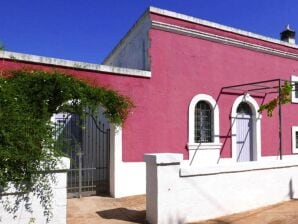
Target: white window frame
294,79
191,119
294,147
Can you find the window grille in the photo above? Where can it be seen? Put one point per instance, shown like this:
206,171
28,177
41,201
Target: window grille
244,108
203,122
296,139
296,90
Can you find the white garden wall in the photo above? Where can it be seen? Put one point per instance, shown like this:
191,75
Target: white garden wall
126,178
178,194
59,203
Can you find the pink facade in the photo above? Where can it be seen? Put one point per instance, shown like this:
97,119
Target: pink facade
188,66
183,65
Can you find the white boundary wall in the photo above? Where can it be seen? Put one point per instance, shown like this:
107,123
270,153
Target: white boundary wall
126,178
59,202
178,194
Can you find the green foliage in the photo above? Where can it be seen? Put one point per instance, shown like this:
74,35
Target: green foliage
285,97
28,99
2,47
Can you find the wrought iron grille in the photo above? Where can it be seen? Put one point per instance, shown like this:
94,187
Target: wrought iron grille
203,122
85,140
244,108
296,139
296,89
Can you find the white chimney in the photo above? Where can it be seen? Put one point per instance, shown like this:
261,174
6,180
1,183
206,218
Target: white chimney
288,35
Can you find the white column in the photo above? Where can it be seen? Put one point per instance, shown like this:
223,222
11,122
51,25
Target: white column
164,165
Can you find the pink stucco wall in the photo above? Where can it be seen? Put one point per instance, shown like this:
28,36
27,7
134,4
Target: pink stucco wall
187,66
137,88
183,67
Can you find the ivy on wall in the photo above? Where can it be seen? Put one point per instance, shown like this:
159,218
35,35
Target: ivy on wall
28,99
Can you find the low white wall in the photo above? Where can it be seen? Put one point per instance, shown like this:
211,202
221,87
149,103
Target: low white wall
59,201
126,178
129,179
178,194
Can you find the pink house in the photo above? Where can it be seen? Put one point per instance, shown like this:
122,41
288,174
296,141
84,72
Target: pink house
183,74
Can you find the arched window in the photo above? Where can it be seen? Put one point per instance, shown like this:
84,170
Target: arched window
203,130
203,123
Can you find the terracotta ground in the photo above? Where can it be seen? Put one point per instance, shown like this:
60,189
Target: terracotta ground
106,210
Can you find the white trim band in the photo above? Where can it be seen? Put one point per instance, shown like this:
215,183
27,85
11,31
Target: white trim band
191,19
204,146
73,64
235,168
223,40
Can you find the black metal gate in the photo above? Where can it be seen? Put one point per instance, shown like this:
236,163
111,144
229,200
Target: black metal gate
85,140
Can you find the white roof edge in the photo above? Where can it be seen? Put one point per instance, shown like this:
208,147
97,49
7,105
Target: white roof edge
218,26
73,64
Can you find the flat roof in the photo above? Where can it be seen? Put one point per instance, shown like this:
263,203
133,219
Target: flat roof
218,26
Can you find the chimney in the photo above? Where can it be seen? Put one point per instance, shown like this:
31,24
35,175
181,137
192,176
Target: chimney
288,35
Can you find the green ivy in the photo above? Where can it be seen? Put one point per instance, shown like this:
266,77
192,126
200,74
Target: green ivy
28,99
285,97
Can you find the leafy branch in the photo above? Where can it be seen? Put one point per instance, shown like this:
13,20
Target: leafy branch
284,98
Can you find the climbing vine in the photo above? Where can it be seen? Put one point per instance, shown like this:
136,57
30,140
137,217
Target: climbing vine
285,97
28,99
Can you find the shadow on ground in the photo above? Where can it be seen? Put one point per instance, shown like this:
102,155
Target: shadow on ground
124,214
218,221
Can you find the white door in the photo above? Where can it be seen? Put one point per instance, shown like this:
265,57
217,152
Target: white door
244,133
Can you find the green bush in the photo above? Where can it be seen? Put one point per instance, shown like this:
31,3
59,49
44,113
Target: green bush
28,99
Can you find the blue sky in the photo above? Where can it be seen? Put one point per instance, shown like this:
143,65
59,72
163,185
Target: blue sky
87,30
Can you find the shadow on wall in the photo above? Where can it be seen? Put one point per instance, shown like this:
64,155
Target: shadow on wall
124,214
224,137
291,191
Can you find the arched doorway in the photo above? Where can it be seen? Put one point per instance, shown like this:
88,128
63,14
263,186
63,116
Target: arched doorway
85,140
245,129
244,133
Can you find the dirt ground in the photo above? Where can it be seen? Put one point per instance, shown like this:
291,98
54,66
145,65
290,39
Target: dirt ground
283,213
106,210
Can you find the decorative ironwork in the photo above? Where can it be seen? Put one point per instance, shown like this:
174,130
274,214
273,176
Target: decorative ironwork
296,139
85,140
260,90
203,122
296,89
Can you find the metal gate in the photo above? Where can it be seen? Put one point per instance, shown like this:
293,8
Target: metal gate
85,140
